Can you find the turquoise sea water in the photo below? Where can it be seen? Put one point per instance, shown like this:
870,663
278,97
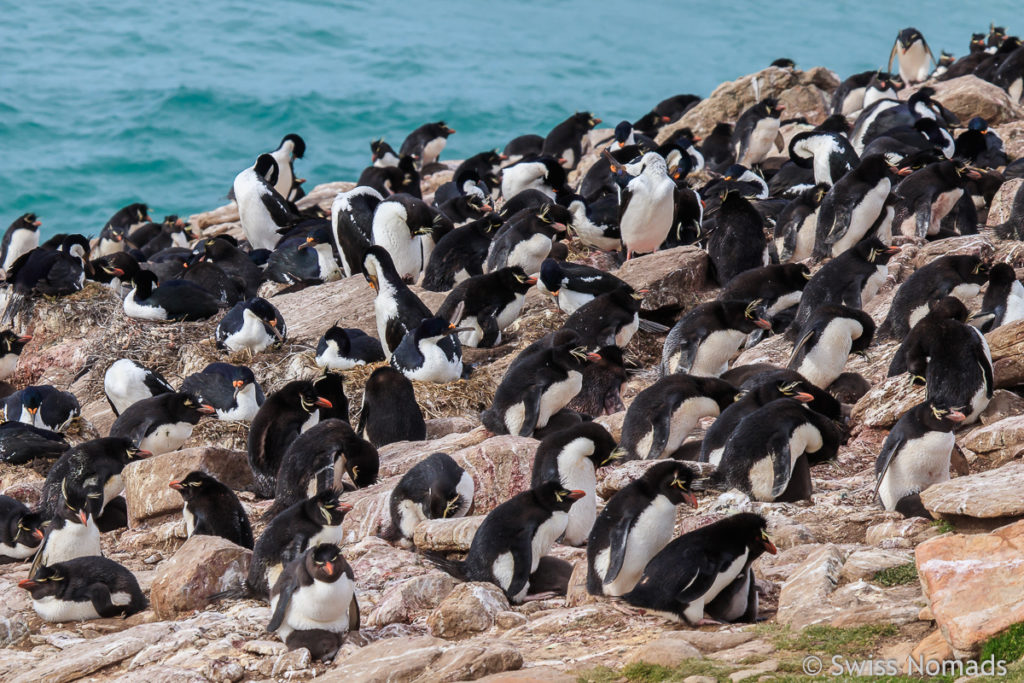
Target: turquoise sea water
106,103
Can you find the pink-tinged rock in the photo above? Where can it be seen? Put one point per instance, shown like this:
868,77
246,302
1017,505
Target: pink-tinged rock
995,493
399,457
447,535
410,599
673,277
1002,202
146,481
323,195
969,96
883,406
311,311
443,426
378,564
468,609
974,584
423,658
203,566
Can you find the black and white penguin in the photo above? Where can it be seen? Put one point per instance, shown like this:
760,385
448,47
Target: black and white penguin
913,56
397,309
958,275
21,237
434,488
50,272
461,253
127,381
950,356
285,414
718,149
827,339
389,412
11,346
503,291
850,208
319,459
851,279
541,381
779,287
307,259
756,131
708,335
251,326
313,603
796,225
522,147
382,154
528,237
574,284
21,531
848,98
635,524
161,424
661,416
1004,299
262,210
927,196
571,457
308,522
738,242
668,110
352,224
610,319
232,260
915,455
343,348
625,135
646,205
770,453
543,173
431,352
565,140
171,300
706,571
212,509
426,142
72,531
84,588
115,231
829,154
292,147
116,270
402,225
390,180
509,544
232,390
22,443
604,381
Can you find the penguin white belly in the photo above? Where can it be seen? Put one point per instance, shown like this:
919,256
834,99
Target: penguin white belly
503,569
883,231
335,361
569,300
578,474
471,337
651,532
507,315
22,242
124,384
432,150
140,311
514,417
694,612
320,605
52,608
71,541
825,361
329,534
385,308
515,179
1014,304
546,535
863,216
285,178
245,408
805,439
252,335
785,301
914,66
530,253
391,232
437,367
685,418
762,138
328,266
167,437
112,489
648,218
625,335
762,478
311,421
941,207
916,314
737,606
805,237
966,291
873,284
190,520
872,95
854,101
466,488
8,365
920,463
715,350
557,396
715,456
260,229
17,551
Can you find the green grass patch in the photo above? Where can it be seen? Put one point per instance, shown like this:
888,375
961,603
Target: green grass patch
897,576
642,672
1008,645
943,526
858,640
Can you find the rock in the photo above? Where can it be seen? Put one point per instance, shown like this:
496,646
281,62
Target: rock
538,674
1012,135
864,564
764,667
750,648
933,648
999,441
377,563
1002,203
668,651
405,601
447,535
787,533
714,641
1007,346
203,566
699,679
969,96
612,479
224,214
806,101
323,195
13,628
900,532
613,423
968,245
861,603
398,458
469,608
423,658
146,482
973,584
673,276
506,620
1002,405
576,594
443,426
311,311
804,599
995,493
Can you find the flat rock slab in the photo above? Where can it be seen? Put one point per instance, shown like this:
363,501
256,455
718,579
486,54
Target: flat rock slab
995,493
423,658
974,584
673,277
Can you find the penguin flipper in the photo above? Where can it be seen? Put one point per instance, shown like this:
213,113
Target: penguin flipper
522,557
661,426
782,460
885,459
284,597
531,410
842,215
617,547
795,357
353,614
698,585
923,218
99,595
986,365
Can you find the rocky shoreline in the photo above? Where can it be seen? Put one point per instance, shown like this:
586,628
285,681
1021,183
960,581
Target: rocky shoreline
850,578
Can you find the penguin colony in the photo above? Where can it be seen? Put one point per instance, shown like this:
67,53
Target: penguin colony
799,245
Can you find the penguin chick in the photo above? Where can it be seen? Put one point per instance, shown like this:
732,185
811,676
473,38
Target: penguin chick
313,603
212,509
635,524
706,571
84,588
435,488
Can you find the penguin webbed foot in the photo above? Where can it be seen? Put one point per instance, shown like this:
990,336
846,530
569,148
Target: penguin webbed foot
707,621
917,380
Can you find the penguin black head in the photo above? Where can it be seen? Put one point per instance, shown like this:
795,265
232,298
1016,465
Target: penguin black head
184,407
754,313
298,145
305,394
195,483
977,43
145,281
339,336
80,503
27,221
784,63
378,265
837,123
554,215
60,409
266,312
29,531
553,496
622,132
946,58
515,279
434,328
325,563
320,235
326,508
120,264
266,167
771,107
948,308
996,36
477,202
12,342
379,149
908,37
672,479
753,529
551,275
786,389
46,582
76,245
585,120
999,274
873,250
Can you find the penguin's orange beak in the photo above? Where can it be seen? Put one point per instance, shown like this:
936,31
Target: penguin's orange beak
593,356
804,397
323,402
176,485
577,494
905,171
690,499
770,547
83,517
25,338
531,280
345,507
237,384
956,416
206,409
763,324
892,250
666,119
27,584
330,568
118,272
38,534
142,453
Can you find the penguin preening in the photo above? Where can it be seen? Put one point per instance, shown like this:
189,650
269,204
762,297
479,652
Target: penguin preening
262,210
757,130
21,530
707,337
828,337
390,412
127,381
434,488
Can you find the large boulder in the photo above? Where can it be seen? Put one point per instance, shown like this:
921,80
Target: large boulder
998,442
974,584
969,96
203,566
1002,202
470,608
409,599
987,495
1007,346
673,277
447,535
